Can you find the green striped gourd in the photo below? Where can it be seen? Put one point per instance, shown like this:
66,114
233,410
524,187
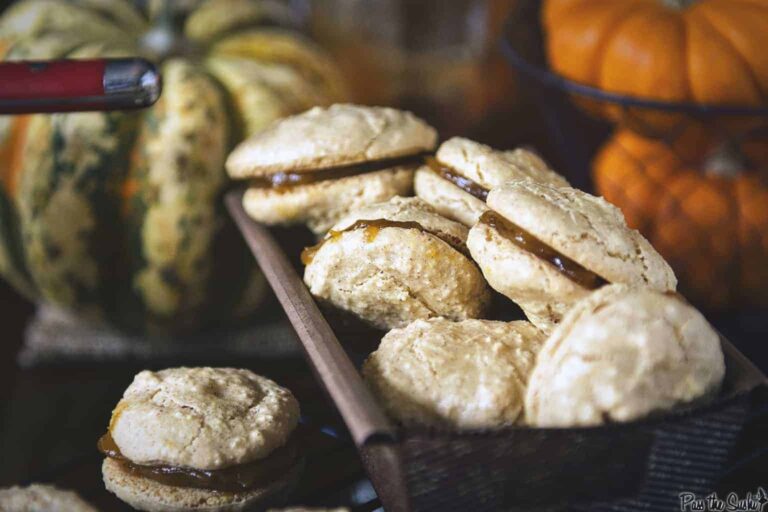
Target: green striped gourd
118,216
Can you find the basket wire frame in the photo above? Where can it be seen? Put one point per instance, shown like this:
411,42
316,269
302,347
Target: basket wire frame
712,250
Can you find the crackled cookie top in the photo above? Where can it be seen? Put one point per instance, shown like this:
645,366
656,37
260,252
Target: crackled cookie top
466,374
41,498
457,181
394,262
320,138
585,228
492,168
204,418
621,353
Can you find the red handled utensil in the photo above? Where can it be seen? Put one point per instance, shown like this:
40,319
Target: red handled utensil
77,85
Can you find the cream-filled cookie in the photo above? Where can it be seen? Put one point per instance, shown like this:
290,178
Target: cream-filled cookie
469,374
314,167
546,247
394,262
192,439
620,354
456,181
42,498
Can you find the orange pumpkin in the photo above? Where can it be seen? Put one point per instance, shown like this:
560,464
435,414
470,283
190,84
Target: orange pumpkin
701,51
708,217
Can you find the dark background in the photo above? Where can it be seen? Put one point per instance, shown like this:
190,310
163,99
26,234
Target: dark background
51,416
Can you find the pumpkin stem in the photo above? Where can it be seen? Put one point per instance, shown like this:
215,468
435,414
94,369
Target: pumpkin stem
678,5
727,161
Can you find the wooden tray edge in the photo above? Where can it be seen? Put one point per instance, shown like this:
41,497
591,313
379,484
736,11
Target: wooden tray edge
338,375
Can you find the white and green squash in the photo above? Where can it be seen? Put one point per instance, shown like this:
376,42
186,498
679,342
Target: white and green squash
118,216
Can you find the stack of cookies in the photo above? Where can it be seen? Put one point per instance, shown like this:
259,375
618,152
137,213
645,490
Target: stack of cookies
606,338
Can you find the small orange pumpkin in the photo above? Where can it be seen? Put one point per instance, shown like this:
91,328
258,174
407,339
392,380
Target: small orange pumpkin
707,216
701,51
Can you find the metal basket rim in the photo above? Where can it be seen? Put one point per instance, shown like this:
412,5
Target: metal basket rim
551,79
655,421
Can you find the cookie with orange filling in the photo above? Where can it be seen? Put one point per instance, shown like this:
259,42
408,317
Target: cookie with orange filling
395,262
315,167
546,247
193,439
457,180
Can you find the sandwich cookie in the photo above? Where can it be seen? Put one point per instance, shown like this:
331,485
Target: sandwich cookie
546,247
620,354
395,262
469,374
202,439
41,498
315,167
457,180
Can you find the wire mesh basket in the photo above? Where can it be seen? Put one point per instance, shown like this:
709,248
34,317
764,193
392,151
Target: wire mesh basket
693,178
637,466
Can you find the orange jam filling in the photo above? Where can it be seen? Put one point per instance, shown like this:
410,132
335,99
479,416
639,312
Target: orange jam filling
372,229
242,477
285,180
450,174
521,238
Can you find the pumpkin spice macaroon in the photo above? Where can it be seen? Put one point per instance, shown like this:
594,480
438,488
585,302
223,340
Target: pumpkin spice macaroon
202,439
394,262
622,353
314,167
456,181
42,498
469,374
546,247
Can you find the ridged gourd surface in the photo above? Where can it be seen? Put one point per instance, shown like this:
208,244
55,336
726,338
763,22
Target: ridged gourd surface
118,216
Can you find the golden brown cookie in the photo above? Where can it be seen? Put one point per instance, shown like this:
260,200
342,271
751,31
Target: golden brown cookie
41,498
151,496
457,180
201,439
395,262
469,374
314,167
622,353
546,247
